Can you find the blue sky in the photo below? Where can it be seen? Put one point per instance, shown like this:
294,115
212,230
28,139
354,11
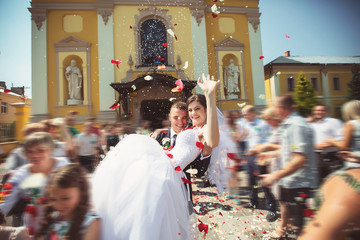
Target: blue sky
315,27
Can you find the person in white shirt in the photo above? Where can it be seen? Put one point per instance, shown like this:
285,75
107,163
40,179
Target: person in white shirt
87,143
325,128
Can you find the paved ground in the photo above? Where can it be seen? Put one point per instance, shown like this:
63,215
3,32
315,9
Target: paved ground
227,218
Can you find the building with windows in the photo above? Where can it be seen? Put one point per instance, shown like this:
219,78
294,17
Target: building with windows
152,44
9,100
328,75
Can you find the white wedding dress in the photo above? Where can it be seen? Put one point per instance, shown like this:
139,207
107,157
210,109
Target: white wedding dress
138,193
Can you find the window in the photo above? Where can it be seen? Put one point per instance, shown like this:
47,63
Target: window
336,83
7,132
4,107
314,83
153,35
290,84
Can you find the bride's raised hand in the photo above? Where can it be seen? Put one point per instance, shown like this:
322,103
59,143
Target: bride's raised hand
208,85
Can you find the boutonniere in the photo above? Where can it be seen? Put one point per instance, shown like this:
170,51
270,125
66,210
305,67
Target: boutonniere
166,142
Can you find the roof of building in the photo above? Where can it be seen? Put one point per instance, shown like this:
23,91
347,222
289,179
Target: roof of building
316,60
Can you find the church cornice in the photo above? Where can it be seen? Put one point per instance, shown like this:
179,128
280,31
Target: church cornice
198,12
72,43
229,44
38,15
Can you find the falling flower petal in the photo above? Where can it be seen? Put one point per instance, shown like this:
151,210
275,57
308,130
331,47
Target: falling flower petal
178,169
175,24
160,58
133,87
214,15
287,36
131,27
232,156
200,145
170,155
164,44
172,99
170,31
186,180
261,57
214,9
115,105
213,0
262,96
278,73
192,171
241,104
116,62
220,214
179,84
148,78
161,67
186,65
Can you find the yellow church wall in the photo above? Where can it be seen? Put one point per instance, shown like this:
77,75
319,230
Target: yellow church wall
268,95
241,34
70,1
55,33
124,38
235,3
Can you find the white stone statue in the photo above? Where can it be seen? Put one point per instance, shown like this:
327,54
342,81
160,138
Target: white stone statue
74,78
231,77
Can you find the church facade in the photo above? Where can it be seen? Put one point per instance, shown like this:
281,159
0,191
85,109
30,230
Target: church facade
92,54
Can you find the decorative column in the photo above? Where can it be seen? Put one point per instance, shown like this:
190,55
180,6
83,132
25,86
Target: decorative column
199,43
22,113
274,86
325,87
257,65
39,65
106,70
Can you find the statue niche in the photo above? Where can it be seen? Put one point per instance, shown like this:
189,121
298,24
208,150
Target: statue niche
74,78
231,80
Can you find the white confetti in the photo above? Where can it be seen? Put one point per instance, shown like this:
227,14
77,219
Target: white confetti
241,104
148,78
192,171
262,96
214,9
170,31
133,87
186,65
172,99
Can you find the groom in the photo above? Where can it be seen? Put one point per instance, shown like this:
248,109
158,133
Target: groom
178,117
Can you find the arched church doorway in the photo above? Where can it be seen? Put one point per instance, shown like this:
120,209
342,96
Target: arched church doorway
155,111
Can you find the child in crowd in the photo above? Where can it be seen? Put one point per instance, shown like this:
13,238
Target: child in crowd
67,214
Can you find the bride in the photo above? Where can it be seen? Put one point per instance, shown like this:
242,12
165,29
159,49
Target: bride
138,188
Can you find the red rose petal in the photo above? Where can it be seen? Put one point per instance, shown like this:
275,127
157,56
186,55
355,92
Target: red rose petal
308,213
303,195
214,15
164,44
170,155
116,62
131,27
200,145
261,57
186,180
178,169
115,105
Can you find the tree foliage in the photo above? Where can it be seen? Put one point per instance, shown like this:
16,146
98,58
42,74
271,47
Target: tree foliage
354,86
304,95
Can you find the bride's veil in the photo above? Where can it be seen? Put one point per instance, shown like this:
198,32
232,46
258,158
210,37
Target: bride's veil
218,170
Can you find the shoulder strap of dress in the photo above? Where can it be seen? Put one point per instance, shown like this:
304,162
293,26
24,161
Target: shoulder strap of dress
353,182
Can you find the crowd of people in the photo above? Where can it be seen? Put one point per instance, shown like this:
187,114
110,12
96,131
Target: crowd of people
62,183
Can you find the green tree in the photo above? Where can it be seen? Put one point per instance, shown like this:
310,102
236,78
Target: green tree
354,86
304,95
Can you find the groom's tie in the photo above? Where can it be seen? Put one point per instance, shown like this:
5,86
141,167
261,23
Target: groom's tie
173,140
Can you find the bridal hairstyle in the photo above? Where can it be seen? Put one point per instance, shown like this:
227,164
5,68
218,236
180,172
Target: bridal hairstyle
197,98
69,176
351,110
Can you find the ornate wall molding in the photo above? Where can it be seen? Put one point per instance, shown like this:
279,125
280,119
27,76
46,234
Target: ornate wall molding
229,44
198,12
254,20
105,13
38,15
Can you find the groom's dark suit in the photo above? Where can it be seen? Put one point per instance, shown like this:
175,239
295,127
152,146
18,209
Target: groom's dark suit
200,165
